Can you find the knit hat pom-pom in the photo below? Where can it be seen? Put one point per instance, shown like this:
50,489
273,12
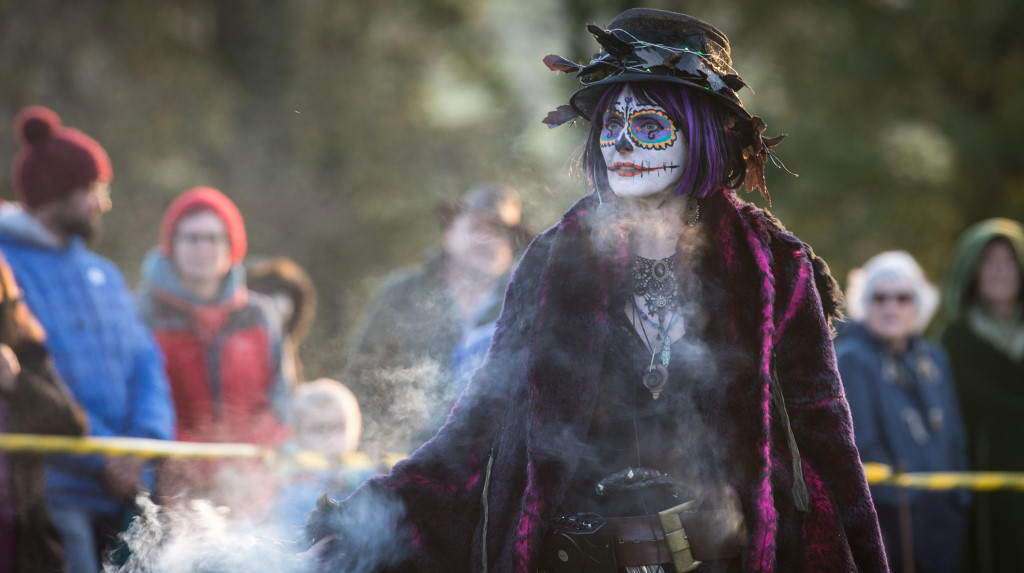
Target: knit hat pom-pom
36,124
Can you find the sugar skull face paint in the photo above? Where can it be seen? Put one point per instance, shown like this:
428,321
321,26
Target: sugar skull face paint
641,146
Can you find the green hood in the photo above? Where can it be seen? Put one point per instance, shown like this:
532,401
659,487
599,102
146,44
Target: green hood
967,255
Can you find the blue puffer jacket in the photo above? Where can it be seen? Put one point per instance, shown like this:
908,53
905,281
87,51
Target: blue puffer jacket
99,345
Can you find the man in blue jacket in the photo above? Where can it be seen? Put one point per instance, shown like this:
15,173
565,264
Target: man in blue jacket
100,346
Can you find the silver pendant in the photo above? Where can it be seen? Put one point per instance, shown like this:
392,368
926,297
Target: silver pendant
655,379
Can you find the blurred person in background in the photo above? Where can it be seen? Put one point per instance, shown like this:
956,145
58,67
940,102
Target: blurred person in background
293,294
661,387
33,400
399,363
101,348
905,414
223,349
327,426
983,304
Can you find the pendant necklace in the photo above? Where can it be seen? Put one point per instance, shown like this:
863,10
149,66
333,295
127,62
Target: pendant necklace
656,281
655,377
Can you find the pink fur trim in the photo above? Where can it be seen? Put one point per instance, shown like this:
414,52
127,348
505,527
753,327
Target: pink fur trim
762,551
819,550
799,292
473,480
527,521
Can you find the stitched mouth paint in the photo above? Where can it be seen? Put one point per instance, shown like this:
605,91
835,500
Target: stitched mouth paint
633,170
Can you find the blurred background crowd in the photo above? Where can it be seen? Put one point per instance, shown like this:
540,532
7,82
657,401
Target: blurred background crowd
261,151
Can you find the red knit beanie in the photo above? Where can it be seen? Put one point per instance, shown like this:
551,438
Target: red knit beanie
54,160
204,199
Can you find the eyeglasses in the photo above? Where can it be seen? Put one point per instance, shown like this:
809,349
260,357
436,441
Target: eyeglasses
900,297
197,238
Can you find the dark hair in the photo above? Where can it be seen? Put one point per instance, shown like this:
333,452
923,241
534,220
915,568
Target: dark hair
713,151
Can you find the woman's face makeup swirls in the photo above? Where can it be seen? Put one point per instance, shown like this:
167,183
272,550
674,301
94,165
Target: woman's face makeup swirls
642,148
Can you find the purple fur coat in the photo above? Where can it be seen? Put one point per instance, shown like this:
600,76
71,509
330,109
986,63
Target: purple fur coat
531,404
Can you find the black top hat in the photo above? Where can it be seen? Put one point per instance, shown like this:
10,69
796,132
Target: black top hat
644,44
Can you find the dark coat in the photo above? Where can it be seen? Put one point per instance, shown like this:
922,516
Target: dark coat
905,415
992,399
38,404
532,401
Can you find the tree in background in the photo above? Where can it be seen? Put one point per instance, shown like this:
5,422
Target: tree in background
336,126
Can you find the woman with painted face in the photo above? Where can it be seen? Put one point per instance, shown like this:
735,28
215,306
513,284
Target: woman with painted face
983,303
661,393
904,405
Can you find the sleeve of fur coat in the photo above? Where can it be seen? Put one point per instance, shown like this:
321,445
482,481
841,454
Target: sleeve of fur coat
422,516
841,506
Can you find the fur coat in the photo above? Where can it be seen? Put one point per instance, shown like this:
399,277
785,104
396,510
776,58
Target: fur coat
480,494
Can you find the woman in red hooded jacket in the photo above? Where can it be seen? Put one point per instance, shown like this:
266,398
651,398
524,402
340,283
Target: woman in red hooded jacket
221,342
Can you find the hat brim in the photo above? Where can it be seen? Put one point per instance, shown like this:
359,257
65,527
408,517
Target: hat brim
585,100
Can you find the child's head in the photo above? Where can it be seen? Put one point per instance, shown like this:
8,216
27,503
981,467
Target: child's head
326,417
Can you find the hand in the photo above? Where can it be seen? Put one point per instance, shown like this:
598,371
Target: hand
9,368
123,476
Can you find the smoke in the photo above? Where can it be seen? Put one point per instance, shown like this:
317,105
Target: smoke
200,538
403,406
363,535
705,361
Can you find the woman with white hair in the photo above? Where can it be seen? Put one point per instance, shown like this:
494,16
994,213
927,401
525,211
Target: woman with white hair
901,394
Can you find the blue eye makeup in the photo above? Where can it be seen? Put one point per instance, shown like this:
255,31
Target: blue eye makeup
649,128
613,124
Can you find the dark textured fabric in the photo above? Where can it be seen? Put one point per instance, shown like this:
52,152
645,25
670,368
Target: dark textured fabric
992,399
677,434
534,399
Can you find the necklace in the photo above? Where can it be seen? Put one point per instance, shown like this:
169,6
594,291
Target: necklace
655,281
692,211
655,377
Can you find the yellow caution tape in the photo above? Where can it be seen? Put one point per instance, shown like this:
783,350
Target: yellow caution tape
152,449
881,474
876,474
120,446
316,461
